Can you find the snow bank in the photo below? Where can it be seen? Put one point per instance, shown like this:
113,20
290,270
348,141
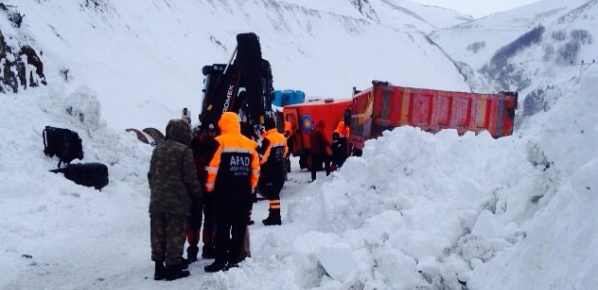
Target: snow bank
51,223
559,245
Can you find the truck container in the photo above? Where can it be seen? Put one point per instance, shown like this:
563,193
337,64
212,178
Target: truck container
384,106
304,117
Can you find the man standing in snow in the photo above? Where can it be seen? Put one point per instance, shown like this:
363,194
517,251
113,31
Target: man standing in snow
203,146
174,187
339,144
272,153
318,146
233,173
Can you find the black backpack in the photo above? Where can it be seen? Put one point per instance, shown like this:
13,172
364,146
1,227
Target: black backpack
86,174
63,143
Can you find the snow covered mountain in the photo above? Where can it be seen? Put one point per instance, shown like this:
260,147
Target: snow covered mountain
145,60
532,49
417,211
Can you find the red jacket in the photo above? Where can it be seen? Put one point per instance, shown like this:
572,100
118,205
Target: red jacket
317,139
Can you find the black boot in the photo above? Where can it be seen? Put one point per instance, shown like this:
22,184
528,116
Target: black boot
160,272
215,267
184,263
175,272
273,218
192,254
208,252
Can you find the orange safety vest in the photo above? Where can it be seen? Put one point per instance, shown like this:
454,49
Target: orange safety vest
234,168
342,130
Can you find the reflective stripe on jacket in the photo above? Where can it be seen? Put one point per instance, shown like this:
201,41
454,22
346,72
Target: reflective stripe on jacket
234,169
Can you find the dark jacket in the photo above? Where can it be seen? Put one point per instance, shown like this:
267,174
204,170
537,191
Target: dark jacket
317,139
172,176
204,146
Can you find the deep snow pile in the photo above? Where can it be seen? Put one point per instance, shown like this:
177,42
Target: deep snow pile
423,211
50,226
418,211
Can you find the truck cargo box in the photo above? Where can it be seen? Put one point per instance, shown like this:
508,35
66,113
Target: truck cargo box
385,106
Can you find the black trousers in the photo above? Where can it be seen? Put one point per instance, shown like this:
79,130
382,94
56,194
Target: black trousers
316,161
231,225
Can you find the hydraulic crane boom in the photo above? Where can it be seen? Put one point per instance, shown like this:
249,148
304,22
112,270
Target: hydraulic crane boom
244,86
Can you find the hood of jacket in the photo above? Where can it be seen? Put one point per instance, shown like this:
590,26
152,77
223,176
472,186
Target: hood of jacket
179,130
229,123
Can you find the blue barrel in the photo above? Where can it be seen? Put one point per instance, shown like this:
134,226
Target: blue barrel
288,97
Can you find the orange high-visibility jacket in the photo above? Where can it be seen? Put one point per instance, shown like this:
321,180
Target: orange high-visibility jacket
275,145
272,156
342,130
234,170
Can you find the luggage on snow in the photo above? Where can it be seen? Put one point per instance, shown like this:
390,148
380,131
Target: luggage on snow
67,146
86,174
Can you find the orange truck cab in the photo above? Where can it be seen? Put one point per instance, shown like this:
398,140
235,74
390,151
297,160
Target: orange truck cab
303,118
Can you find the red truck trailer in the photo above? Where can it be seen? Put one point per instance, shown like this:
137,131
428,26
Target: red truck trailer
384,106
304,117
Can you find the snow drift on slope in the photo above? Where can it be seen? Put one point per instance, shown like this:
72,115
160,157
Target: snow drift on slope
145,61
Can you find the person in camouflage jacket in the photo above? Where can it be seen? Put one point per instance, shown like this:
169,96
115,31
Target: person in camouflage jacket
174,186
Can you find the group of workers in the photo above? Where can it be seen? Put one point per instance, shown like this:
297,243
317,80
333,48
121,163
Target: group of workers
213,174
212,177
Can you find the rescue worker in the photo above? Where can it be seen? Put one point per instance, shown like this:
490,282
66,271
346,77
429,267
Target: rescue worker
174,188
273,151
233,173
203,146
318,146
339,144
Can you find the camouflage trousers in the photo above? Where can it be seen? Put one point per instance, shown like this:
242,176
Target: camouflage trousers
167,237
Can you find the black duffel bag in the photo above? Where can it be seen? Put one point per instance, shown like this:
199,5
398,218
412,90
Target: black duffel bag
63,143
87,174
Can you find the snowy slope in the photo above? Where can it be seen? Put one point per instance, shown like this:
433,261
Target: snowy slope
409,15
526,49
418,211
145,61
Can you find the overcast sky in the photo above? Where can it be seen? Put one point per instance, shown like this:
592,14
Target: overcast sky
477,8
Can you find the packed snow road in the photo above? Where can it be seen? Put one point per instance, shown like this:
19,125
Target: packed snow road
106,243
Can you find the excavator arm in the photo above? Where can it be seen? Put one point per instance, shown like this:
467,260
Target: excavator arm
243,86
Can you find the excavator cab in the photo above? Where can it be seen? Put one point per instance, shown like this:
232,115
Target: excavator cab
243,86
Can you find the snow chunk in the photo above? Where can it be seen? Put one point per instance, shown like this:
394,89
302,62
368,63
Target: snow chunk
83,105
338,261
484,226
